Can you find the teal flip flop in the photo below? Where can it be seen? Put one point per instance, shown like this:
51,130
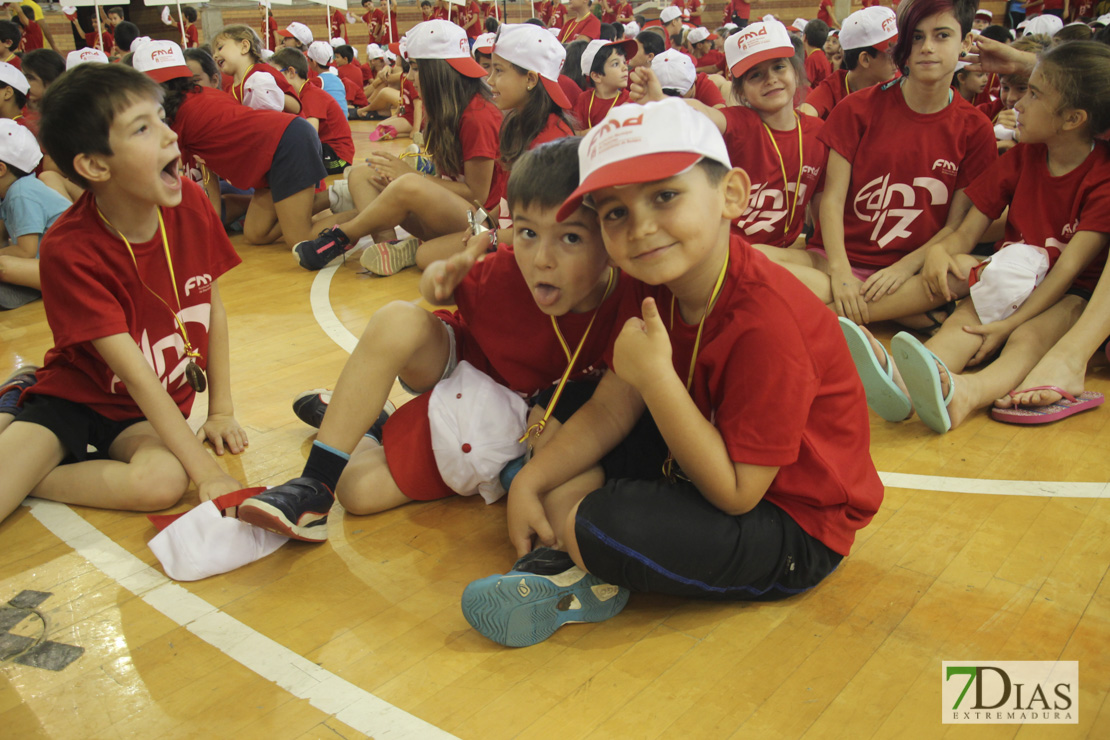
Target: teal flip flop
918,367
883,396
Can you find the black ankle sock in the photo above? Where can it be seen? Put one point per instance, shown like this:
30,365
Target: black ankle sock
325,464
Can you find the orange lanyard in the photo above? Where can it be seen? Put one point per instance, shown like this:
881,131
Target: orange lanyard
668,464
538,427
782,164
242,84
590,108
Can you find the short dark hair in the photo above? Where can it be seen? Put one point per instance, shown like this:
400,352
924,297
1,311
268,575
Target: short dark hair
292,58
851,56
996,33
345,51
491,24
10,32
603,54
607,32
652,43
817,33
425,2
190,13
12,168
29,14
117,10
94,94
204,59
126,33
535,22
19,97
714,171
544,176
46,64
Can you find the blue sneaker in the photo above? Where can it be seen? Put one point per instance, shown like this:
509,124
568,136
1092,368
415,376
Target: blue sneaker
311,406
522,608
510,470
315,254
12,388
297,509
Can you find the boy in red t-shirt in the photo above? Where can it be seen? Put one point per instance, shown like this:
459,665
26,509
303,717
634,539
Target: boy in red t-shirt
192,33
866,40
604,64
553,286
320,109
129,282
10,36
813,41
826,13
749,474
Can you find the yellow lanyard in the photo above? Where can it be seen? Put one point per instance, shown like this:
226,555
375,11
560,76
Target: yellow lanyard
538,427
782,164
572,26
590,108
189,351
668,464
246,74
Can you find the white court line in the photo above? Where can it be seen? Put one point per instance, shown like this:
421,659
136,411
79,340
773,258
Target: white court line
304,679
334,328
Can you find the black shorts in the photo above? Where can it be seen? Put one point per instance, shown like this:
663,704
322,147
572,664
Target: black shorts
333,163
298,161
75,425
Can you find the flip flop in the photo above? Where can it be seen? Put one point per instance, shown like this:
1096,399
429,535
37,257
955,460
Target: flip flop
922,378
383,133
883,396
1062,409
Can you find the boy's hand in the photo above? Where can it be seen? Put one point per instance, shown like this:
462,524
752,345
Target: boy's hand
528,525
217,486
643,86
1007,118
994,335
222,430
848,296
885,281
447,274
938,264
642,352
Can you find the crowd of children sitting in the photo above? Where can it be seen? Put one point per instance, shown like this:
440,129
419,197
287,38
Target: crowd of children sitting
667,239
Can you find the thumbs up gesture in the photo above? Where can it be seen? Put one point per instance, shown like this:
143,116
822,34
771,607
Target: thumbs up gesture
642,353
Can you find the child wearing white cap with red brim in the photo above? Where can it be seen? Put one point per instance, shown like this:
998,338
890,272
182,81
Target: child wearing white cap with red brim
463,139
707,60
777,148
677,76
866,39
885,202
297,35
605,66
758,474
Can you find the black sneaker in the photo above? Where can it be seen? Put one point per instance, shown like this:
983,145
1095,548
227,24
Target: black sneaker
311,406
12,388
297,509
316,253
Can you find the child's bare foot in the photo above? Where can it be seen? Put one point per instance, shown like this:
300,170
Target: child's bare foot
1056,369
883,359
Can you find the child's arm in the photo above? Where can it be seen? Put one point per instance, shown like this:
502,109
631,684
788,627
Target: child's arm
122,355
644,87
642,358
940,260
586,437
46,32
26,246
221,427
848,300
1082,248
438,283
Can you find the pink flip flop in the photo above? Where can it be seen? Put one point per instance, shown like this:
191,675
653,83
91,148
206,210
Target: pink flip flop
383,133
1065,407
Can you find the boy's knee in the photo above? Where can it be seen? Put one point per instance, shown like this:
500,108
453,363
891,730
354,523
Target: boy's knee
397,321
156,485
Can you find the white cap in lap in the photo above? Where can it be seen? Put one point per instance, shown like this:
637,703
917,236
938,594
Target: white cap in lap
758,42
674,70
533,48
1006,279
18,146
643,143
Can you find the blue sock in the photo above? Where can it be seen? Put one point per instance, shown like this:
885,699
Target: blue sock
325,464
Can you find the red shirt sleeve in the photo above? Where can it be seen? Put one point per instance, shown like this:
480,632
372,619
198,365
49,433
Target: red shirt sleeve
992,190
981,147
706,92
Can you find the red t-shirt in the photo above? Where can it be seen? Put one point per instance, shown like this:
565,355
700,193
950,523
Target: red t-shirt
441,13
351,71
770,200
480,137
909,167
555,128
236,91
474,29
32,36
1047,211
389,32
192,36
408,97
591,110
91,290
870,3
778,383
353,91
590,27
817,67
737,8
107,41
543,11
609,11
823,13
270,43
711,58
991,109
706,93
829,92
488,9
571,89
496,309
558,17
694,7
236,142
334,129
338,25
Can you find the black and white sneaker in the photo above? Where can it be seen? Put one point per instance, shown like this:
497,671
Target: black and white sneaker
12,389
311,406
315,254
297,509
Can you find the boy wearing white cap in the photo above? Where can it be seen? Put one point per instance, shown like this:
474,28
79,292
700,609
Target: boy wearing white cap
983,18
866,38
13,92
671,18
707,60
297,35
605,65
320,56
677,76
763,474
27,209
129,282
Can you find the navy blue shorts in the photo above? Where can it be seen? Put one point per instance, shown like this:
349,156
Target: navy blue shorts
298,161
75,425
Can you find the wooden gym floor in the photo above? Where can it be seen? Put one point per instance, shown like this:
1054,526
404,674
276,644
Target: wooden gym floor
992,544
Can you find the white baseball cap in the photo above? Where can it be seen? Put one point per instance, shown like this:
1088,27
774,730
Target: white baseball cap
320,52
700,34
533,48
643,143
298,31
337,41
675,71
373,51
11,76
669,13
1102,20
84,56
18,146
161,60
757,42
1045,24
876,27
203,542
799,23
1001,283
631,30
484,42
628,46
440,39
984,14
475,424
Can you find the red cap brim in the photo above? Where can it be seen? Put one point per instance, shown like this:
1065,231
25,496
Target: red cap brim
165,74
888,44
467,66
556,93
645,168
778,52
286,34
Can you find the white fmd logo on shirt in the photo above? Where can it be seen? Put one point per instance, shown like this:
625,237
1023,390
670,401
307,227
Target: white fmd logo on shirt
873,204
167,355
767,208
946,167
202,283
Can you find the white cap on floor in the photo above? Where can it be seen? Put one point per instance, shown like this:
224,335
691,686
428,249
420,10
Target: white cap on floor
1001,283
